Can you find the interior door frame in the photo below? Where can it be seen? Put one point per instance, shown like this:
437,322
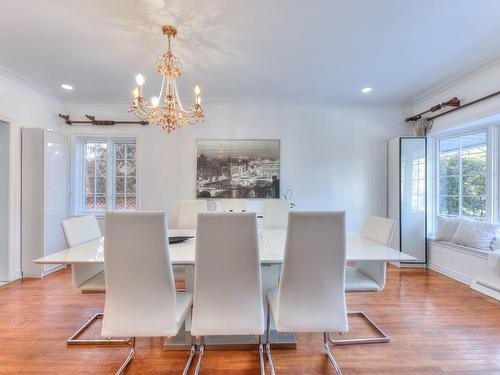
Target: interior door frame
14,206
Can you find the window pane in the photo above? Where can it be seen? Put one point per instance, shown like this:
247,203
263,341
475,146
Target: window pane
90,185
462,175
474,206
120,168
131,185
130,167
119,202
476,141
100,185
449,185
120,150
474,185
448,205
89,202
101,168
95,175
120,185
473,163
449,164
100,202
131,202
131,151
91,167
125,180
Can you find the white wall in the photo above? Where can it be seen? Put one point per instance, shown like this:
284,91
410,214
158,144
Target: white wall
21,106
480,82
332,157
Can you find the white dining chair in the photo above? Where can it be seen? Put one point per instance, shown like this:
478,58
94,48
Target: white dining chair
188,212
369,276
85,278
275,214
310,296
141,300
233,205
228,302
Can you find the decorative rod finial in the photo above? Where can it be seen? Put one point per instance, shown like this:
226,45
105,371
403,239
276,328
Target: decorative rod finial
169,31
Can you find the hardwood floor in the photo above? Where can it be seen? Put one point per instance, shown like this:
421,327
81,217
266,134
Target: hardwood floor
437,326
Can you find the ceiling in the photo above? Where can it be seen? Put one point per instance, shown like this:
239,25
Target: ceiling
321,50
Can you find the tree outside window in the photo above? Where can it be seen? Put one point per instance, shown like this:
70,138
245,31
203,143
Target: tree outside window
462,175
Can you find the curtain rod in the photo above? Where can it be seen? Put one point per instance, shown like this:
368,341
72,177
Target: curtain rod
93,121
453,102
465,105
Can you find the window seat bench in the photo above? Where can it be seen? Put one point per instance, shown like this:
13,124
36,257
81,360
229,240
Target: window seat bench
465,264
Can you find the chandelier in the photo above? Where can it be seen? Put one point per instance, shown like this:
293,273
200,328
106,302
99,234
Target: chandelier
166,110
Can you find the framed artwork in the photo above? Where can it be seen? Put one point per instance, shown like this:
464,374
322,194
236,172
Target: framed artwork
239,168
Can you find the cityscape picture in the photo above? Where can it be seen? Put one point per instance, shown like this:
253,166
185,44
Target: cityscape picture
238,168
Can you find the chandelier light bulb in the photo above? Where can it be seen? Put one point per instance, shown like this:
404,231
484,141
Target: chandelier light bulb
154,101
198,100
136,92
139,79
197,90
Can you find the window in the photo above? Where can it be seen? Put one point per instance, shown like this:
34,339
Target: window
462,175
107,175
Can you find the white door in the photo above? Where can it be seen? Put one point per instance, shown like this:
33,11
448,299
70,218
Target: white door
4,201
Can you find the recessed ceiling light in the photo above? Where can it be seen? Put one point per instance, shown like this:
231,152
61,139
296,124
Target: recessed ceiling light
366,90
66,86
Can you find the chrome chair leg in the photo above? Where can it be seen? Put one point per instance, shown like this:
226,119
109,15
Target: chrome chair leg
268,341
202,352
191,356
74,340
125,364
261,357
383,337
328,352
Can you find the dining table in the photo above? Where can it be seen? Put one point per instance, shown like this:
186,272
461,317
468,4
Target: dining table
271,249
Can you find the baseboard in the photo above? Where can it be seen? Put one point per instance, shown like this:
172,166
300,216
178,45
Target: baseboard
478,285
486,288
412,265
450,273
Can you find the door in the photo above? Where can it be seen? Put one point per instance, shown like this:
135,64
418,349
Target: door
4,201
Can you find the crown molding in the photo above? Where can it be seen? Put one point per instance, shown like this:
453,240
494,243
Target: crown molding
26,83
457,79
126,102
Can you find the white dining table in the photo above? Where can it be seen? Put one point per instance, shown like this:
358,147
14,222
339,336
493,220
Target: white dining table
271,247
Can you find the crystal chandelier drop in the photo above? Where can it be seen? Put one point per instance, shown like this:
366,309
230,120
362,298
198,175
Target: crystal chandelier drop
166,110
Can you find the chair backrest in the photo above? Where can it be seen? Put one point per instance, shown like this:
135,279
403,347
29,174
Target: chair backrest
81,229
378,229
140,291
188,213
227,288
233,205
275,212
311,291
77,231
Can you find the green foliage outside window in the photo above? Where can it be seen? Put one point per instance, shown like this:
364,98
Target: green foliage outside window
462,176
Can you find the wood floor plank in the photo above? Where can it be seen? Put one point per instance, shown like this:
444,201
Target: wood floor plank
437,326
